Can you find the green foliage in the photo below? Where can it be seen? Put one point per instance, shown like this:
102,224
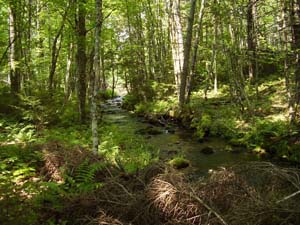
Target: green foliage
264,131
8,129
83,178
7,101
179,162
18,165
31,109
202,125
73,135
162,90
107,94
125,149
160,99
225,127
69,115
158,107
20,132
130,100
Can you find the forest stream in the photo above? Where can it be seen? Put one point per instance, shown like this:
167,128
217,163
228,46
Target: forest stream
173,140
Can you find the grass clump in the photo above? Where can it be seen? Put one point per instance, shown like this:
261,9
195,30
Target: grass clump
179,162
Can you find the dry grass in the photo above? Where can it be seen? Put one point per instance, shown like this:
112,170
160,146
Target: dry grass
258,193
253,194
58,159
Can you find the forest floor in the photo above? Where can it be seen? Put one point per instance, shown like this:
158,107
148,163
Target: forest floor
55,184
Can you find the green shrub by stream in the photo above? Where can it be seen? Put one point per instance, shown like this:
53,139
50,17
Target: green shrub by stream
265,126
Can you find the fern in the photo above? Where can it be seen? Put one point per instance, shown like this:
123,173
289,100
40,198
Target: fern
84,176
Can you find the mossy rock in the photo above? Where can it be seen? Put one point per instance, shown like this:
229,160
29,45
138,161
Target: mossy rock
207,150
179,163
154,131
228,148
237,142
234,150
170,129
262,153
172,152
149,131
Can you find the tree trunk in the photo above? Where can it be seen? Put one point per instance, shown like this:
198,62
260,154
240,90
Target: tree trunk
95,81
284,43
251,38
214,54
68,76
187,50
295,28
176,40
15,47
195,50
81,58
215,72
28,49
113,76
55,52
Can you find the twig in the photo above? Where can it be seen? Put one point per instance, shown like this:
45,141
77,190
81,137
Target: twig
124,189
288,197
208,207
113,202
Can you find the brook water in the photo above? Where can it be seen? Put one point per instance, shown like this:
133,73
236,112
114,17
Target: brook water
177,142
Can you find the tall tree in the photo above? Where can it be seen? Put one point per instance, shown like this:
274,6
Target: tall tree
95,80
175,29
195,49
15,45
56,49
251,37
187,50
295,28
81,58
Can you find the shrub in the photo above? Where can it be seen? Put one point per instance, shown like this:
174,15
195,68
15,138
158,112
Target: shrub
202,125
265,132
107,94
129,101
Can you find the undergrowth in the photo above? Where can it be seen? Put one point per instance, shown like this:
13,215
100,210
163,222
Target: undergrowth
262,124
46,165
126,150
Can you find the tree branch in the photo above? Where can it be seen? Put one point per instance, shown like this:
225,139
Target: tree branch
6,50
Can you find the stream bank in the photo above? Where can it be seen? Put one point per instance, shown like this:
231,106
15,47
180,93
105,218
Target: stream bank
174,141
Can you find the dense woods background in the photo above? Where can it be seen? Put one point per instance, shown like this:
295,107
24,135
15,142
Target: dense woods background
66,51
227,68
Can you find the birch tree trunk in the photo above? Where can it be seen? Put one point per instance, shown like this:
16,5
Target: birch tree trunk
68,76
214,53
15,47
175,30
97,74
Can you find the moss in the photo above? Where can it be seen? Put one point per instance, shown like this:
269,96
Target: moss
179,163
228,148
